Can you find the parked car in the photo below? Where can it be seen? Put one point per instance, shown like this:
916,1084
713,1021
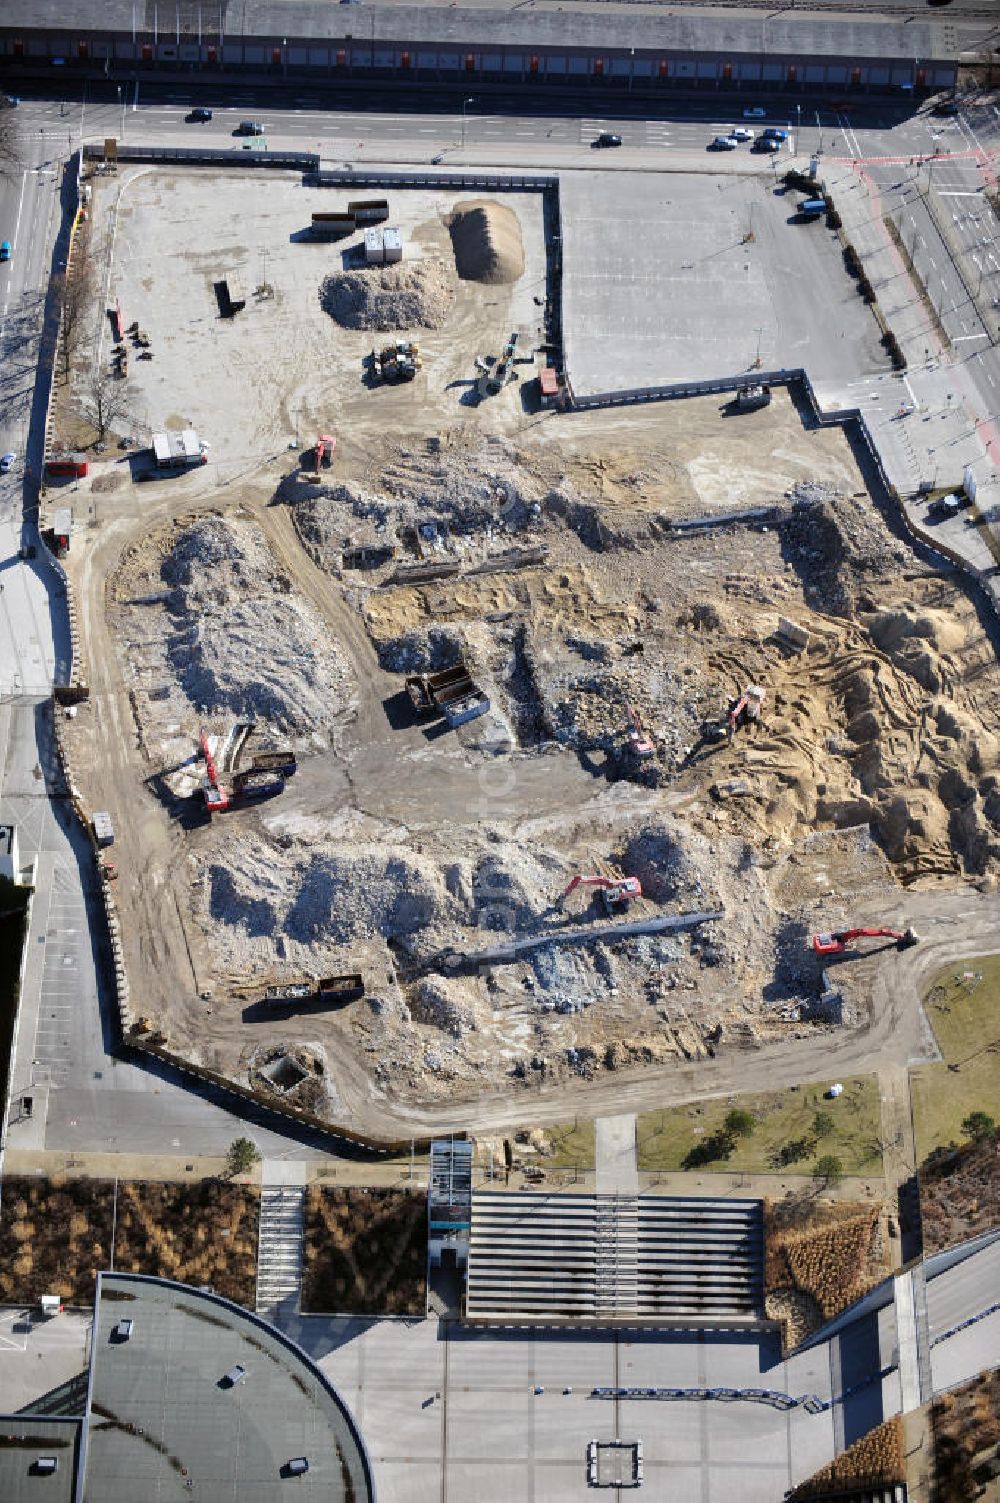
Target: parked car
754,112
723,143
199,116
742,133
7,461
766,143
606,138
772,133
250,128
4,250
9,101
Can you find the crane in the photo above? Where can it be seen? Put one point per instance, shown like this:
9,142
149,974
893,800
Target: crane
639,743
834,944
616,892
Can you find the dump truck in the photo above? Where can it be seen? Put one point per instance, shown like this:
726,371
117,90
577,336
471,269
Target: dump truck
330,991
451,693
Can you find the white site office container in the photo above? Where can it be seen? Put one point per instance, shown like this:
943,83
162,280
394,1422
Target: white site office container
392,241
374,247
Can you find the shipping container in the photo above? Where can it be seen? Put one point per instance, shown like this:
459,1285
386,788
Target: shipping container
392,242
104,830
374,248
68,464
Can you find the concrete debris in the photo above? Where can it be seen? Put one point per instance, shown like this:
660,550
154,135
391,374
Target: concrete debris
405,295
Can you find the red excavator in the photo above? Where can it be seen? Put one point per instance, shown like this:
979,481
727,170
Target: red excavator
834,944
639,743
616,892
216,797
746,710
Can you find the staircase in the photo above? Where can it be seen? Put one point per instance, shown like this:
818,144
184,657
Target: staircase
616,1247
279,1249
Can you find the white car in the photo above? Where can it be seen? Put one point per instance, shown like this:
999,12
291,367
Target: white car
723,143
7,461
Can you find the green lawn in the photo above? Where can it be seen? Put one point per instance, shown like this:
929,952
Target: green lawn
962,1008
572,1145
781,1117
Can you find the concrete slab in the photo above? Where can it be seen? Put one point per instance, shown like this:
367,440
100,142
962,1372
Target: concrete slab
617,1168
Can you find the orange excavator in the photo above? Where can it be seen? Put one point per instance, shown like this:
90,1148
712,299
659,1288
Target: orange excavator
835,944
616,892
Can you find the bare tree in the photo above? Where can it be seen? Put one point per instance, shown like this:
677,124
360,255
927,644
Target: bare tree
76,291
107,401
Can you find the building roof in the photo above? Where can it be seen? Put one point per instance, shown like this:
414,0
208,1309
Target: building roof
587,24
160,1409
172,446
23,1439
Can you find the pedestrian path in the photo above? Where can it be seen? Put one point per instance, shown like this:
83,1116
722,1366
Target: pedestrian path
279,1245
615,1149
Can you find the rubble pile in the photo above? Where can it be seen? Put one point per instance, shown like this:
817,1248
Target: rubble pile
240,643
405,295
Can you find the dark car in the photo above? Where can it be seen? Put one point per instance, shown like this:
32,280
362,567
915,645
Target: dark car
606,138
250,128
199,116
946,107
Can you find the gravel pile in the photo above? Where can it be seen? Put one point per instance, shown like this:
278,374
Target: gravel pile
407,295
240,643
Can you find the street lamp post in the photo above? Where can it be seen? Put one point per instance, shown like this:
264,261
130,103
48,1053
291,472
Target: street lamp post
819,128
465,104
121,101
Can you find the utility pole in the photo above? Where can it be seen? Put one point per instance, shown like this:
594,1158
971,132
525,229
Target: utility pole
465,104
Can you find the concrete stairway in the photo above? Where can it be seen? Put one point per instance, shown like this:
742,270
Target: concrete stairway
279,1248
614,1257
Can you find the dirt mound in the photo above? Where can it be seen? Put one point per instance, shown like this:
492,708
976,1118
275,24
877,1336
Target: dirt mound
241,643
486,237
410,294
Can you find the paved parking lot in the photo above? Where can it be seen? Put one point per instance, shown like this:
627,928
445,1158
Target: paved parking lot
660,284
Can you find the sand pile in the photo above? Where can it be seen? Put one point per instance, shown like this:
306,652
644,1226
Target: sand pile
486,237
408,295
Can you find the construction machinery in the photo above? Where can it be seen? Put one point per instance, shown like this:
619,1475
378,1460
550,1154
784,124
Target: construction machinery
215,796
842,939
394,362
451,693
616,892
265,776
330,991
746,710
749,397
326,443
639,743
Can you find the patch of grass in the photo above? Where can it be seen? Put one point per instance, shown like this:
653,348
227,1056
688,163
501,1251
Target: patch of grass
961,1006
571,1145
781,1119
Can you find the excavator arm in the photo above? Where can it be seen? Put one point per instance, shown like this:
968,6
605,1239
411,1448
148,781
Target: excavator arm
835,943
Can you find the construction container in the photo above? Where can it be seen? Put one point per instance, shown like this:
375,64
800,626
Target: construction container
374,248
369,210
235,297
104,830
333,224
392,242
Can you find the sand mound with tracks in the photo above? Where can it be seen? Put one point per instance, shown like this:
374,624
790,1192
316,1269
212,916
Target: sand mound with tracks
486,237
